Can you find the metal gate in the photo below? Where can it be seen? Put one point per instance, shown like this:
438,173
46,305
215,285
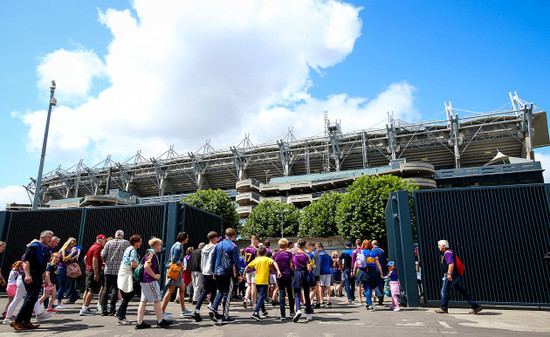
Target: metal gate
501,234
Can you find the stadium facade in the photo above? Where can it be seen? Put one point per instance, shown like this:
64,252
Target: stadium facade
432,154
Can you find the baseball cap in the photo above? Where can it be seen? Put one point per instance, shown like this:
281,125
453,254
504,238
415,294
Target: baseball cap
101,237
348,244
391,263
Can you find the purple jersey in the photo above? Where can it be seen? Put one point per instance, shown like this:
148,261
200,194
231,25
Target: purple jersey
249,255
301,260
448,257
283,259
151,257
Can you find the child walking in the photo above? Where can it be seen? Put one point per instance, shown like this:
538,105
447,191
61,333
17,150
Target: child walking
51,271
395,286
12,283
262,264
302,281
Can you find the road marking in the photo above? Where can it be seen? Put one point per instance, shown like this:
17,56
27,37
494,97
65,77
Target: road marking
445,324
412,324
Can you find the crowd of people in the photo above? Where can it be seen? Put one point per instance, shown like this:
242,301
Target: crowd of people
302,274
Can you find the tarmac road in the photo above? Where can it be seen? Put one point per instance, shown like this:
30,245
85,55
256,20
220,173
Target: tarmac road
342,319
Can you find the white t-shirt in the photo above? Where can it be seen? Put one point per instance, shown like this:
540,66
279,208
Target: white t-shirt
12,279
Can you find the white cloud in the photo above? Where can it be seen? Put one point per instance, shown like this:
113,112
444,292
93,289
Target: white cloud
182,72
9,194
544,159
73,72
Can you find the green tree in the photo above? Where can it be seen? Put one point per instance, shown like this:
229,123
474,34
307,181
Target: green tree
361,212
217,202
264,221
319,218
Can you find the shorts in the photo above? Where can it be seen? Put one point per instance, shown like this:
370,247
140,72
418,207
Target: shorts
11,289
251,277
325,280
150,292
92,285
272,279
178,283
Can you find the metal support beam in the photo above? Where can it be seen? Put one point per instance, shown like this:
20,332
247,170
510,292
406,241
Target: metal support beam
240,163
95,183
364,150
308,166
528,131
453,132
285,157
390,134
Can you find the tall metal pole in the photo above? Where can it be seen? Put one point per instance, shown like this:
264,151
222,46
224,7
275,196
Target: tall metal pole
53,102
282,224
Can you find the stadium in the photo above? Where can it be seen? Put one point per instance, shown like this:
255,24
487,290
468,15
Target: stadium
488,148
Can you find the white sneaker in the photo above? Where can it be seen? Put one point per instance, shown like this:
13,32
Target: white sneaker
6,321
61,306
87,312
43,316
396,309
309,318
166,316
297,316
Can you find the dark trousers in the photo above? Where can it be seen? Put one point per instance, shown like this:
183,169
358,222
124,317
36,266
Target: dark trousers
208,287
457,284
349,284
126,298
262,294
33,291
297,293
225,287
285,287
112,289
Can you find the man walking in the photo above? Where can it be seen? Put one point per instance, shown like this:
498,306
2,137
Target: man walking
249,255
196,272
453,278
344,261
208,282
225,264
112,256
35,261
379,290
94,263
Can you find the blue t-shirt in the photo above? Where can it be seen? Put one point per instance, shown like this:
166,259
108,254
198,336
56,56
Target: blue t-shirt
382,258
312,260
325,263
52,270
393,276
371,257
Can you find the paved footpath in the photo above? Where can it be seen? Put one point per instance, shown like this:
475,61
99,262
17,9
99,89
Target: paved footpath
342,319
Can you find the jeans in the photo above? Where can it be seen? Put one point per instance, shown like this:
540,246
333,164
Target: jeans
208,287
285,286
262,294
126,298
349,284
33,291
63,280
224,284
72,294
457,284
297,293
110,287
368,293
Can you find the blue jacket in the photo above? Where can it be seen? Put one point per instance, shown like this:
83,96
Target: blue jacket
381,258
326,262
232,252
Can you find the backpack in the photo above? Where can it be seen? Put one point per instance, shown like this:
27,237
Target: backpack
361,260
459,266
138,272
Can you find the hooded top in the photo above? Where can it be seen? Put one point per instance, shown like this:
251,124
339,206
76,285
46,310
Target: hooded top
206,257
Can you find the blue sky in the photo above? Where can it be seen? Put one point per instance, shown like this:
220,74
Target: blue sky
137,76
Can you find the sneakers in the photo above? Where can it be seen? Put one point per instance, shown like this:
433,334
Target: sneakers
86,312
309,318
370,308
317,305
213,316
104,313
397,309
475,311
329,305
380,300
61,306
186,312
43,316
245,304
283,318
99,307
264,314
7,321
123,321
51,310
143,325
196,316
164,324
256,316
442,311
228,320
166,316
297,316
391,307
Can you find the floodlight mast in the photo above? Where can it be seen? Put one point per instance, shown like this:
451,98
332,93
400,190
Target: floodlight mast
53,102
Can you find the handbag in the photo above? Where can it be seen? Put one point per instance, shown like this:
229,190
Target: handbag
73,270
174,271
138,272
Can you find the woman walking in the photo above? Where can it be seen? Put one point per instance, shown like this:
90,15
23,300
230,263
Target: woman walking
125,281
67,257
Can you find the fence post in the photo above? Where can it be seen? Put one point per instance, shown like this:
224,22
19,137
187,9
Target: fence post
400,243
